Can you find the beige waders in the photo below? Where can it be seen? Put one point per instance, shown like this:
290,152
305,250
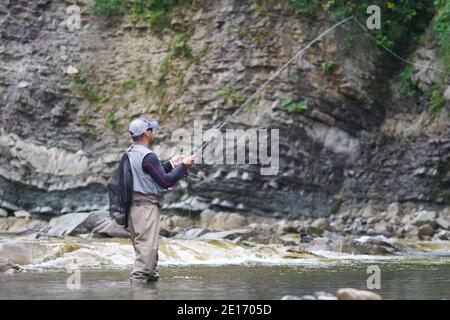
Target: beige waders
143,224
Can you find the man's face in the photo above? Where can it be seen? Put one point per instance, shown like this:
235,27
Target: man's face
149,136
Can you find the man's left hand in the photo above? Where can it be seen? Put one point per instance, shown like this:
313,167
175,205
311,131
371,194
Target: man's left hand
177,160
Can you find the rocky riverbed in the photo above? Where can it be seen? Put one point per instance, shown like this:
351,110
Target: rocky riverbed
224,237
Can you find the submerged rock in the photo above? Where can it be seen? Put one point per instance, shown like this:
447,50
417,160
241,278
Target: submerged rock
227,235
354,294
191,234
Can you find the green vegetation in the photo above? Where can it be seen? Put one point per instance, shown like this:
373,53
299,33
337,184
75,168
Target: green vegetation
113,122
400,20
108,8
435,96
405,85
128,84
441,30
294,107
179,48
157,12
228,93
85,87
327,66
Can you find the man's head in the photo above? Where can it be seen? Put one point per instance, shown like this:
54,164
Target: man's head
141,130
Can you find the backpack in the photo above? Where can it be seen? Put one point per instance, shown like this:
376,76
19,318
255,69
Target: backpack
120,192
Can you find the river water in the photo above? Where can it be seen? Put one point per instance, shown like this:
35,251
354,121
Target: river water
84,269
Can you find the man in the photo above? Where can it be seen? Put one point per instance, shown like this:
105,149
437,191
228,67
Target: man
151,179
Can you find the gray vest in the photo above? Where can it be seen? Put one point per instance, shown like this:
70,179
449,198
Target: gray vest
142,181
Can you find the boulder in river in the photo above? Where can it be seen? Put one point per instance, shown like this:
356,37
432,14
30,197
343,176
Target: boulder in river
66,224
22,214
354,294
110,228
425,231
425,217
368,245
3,213
222,220
227,235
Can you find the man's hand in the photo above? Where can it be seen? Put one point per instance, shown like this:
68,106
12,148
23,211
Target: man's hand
177,160
189,161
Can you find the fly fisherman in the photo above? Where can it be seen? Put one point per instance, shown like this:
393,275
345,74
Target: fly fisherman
151,179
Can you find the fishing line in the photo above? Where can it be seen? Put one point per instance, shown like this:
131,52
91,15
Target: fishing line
300,52
194,177
273,76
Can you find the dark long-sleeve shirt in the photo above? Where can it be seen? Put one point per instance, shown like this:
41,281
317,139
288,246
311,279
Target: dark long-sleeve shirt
163,173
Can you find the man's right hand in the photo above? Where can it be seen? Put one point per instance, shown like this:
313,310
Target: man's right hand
189,161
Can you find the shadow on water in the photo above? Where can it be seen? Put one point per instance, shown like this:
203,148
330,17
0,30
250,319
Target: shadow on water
399,280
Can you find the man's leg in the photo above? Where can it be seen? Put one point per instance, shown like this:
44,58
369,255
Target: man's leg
144,228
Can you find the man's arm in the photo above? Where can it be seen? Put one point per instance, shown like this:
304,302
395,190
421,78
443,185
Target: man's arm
155,169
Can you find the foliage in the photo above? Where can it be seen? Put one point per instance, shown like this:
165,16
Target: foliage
441,30
108,8
406,86
294,107
85,87
227,92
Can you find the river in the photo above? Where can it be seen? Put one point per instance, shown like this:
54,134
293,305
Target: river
74,268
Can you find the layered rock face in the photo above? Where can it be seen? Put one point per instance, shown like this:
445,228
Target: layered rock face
66,98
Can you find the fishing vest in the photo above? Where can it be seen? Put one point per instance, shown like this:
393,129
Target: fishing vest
142,181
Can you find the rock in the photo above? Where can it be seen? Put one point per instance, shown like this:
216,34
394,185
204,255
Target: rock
443,235
305,237
320,295
23,84
409,230
380,227
320,243
314,231
222,220
447,94
3,213
18,253
228,235
22,214
425,217
354,294
425,231
72,70
393,211
291,297
443,223
66,224
191,234
110,228
369,245
174,221
320,223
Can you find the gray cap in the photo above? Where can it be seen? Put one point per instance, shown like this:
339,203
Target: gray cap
140,125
